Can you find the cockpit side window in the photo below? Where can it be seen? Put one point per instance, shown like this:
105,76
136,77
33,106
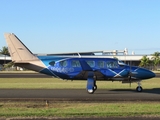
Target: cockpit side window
63,63
75,63
112,64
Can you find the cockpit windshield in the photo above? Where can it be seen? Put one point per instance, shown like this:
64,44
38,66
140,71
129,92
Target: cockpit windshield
121,63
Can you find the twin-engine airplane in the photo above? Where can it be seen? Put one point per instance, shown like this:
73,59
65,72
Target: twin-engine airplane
76,66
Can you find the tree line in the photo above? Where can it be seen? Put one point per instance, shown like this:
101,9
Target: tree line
152,63
146,62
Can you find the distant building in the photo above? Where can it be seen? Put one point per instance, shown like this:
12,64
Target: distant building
122,55
4,59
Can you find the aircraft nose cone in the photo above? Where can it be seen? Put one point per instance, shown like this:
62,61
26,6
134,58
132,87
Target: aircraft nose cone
150,74
145,74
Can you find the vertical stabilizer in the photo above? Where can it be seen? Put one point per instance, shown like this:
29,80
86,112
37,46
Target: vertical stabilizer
18,51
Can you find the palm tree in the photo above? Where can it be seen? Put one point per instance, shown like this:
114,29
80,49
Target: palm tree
144,61
156,59
4,51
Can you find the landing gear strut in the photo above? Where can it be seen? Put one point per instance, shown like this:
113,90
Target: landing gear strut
139,88
91,83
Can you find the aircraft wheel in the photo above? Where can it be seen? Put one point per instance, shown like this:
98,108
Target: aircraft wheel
90,91
139,89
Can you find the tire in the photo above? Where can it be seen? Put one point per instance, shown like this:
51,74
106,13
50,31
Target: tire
90,91
139,89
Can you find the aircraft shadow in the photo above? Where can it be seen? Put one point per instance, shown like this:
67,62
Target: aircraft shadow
118,91
152,91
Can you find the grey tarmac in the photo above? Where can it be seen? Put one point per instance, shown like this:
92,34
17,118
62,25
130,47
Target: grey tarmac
81,94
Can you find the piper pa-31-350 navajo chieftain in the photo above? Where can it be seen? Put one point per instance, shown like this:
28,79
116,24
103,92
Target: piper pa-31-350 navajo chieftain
76,66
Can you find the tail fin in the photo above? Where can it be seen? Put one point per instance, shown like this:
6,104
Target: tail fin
21,55
18,51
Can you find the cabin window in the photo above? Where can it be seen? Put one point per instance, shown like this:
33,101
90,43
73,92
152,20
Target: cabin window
63,63
91,63
112,64
101,64
75,63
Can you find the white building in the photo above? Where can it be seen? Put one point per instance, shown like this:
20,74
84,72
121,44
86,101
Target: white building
122,55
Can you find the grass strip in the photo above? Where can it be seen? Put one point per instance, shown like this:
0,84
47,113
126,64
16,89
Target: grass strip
53,83
75,109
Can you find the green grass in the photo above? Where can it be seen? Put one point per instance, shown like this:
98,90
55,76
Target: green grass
52,83
76,109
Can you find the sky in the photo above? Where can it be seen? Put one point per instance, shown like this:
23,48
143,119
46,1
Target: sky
55,26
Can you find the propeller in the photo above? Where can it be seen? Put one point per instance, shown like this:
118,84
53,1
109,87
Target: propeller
129,79
130,75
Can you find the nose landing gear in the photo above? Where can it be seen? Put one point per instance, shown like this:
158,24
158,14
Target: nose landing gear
139,88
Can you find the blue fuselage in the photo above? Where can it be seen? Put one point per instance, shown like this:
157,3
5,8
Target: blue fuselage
103,68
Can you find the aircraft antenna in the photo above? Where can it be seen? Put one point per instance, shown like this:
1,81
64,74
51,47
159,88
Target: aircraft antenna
79,55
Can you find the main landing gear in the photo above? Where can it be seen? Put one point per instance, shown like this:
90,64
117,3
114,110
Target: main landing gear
91,91
139,88
91,83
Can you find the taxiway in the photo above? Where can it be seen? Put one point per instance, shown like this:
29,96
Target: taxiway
81,94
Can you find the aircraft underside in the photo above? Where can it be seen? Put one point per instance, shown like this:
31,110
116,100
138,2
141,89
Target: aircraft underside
92,77
92,87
